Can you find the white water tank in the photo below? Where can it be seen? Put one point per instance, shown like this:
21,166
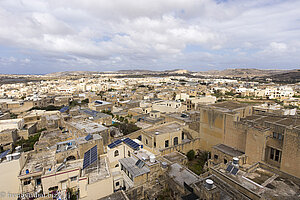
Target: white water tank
152,158
235,160
209,183
9,157
18,148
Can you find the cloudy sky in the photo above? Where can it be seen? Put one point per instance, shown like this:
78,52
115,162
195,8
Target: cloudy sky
42,36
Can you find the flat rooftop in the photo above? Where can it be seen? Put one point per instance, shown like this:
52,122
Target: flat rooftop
88,126
230,105
129,164
228,150
180,116
261,120
48,139
65,146
182,175
10,121
144,155
74,164
165,128
265,183
82,140
37,161
175,157
93,113
120,195
98,170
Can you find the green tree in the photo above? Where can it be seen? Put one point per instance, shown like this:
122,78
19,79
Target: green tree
191,155
85,101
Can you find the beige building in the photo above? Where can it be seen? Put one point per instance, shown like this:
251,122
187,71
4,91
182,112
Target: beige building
272,139
193,103
11,124
7,138
168,106
84,127
99,105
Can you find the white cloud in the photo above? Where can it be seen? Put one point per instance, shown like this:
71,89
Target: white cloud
25,60
278,46
94,33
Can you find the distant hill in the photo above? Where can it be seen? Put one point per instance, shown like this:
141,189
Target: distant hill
292,76
140,72
70,73
137,71
246,72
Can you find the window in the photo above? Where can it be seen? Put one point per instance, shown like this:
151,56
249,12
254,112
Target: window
272,154
27,182
38,181
130,176
275,155
154,144
74,178
146,141
117,165
225,161
139,138
182,136
166,143
175,140
117,183
116,153
216,156
278,136
128,153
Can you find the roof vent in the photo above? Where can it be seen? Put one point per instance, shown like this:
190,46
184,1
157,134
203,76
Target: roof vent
209,184
164,165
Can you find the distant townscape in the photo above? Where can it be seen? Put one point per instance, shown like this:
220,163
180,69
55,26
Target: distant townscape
141,134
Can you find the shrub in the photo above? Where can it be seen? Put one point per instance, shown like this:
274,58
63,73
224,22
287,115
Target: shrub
191,155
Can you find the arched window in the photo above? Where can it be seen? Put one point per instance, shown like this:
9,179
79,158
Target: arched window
116,153
175,140
71,158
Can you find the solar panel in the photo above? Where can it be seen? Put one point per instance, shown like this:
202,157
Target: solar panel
118,142
234,171
87,159
112,145
94,154
90,157
139,163
229,168
88,137
131,143
64,109
3,154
